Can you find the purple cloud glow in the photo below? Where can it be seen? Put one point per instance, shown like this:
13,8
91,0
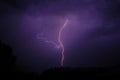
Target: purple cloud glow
88,38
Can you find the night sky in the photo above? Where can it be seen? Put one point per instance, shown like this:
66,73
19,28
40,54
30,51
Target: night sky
91,37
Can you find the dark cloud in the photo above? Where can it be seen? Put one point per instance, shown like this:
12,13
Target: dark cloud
107,29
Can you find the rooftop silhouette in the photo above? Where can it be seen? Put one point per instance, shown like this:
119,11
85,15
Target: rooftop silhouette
81,73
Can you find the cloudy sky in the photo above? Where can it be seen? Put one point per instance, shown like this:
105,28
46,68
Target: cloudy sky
91,37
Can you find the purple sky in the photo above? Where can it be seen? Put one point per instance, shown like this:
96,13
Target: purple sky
91,37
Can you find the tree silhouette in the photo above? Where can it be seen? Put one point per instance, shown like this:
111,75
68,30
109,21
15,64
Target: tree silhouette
7,60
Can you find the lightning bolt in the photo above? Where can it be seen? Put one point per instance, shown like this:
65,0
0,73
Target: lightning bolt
59,45
60,42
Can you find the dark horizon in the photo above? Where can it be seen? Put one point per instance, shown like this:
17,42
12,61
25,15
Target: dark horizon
9,69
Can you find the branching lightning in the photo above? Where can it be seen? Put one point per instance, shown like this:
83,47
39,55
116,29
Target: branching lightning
60,42
58,46
42,38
